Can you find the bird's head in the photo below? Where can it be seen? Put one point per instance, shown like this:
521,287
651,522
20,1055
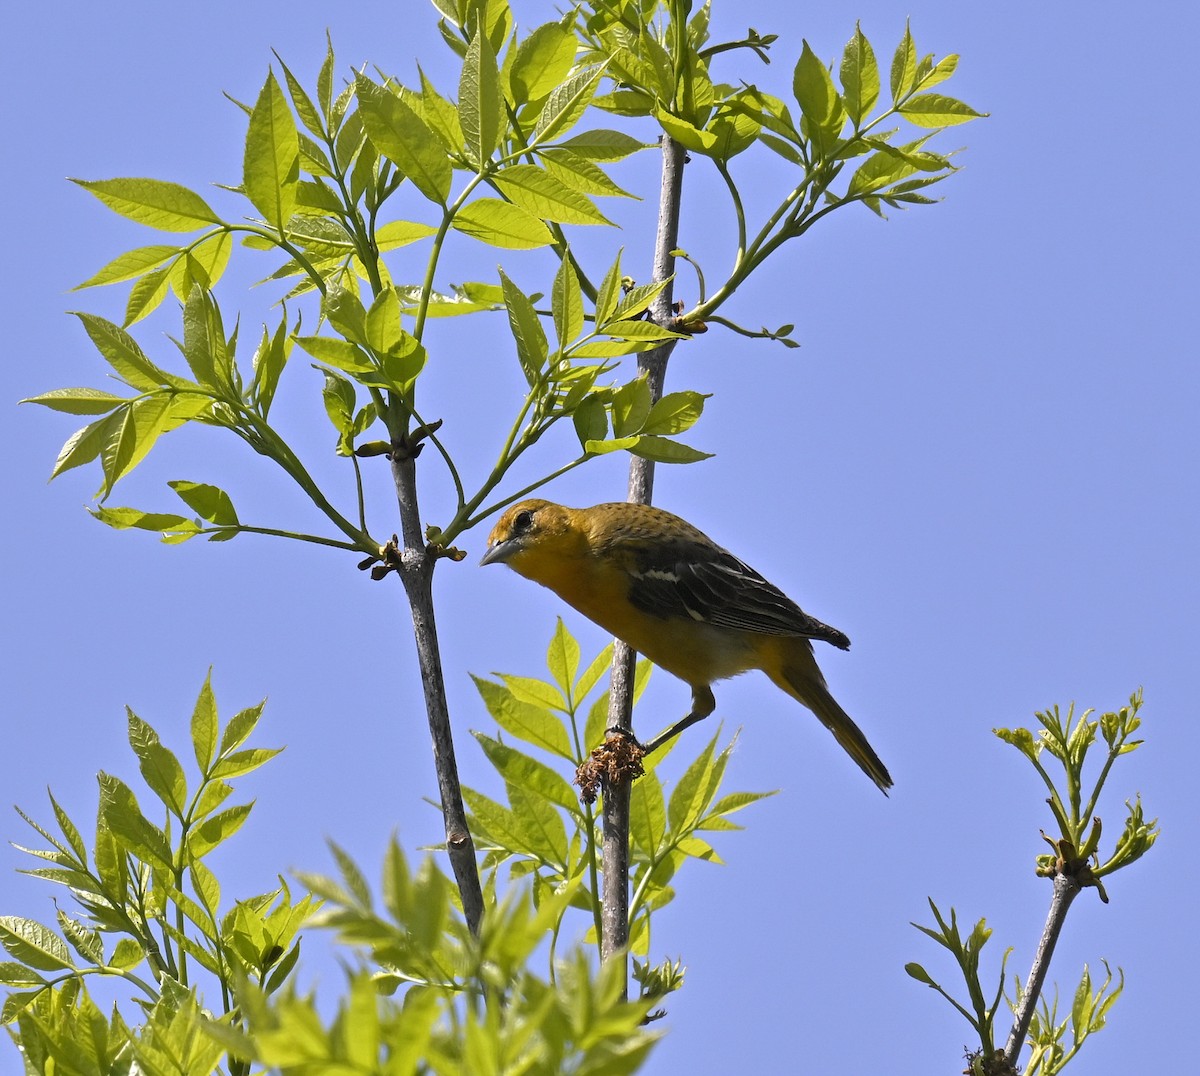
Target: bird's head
533,533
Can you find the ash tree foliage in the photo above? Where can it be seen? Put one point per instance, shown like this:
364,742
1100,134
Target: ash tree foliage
357,189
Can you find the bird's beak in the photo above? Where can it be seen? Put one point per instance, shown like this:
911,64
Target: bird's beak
498,552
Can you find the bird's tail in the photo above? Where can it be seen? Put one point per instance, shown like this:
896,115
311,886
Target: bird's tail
798,675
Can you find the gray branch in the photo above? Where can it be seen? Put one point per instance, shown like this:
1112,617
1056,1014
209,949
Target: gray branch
416,572
1066,889
653,363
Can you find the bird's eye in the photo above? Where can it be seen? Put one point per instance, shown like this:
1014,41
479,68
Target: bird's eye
522,521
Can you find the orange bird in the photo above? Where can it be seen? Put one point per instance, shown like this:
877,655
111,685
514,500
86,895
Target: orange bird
675,596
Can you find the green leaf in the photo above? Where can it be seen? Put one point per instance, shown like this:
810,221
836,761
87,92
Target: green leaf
382,327
135,431
498,823
401,135
566,301
133,263
674,413
84,445
204,723
937,110
14,974
630,407
591,420
520,769
562,658
643,331
85,941
123,354
124,819
647,814
208,502
480,103
159,766
532,348
501,224
217,828
440,115
399,233
339,397
615,444
305,108
538,692
604,145
609,293
860,77
271,162
693,793
80,401
340,353
542,61
241,762
686,134
146,294
541,826
127,954
269,361
346,313
33,944
155,202
527,722
566,104
580,174
591,675
904,66
69,829
548,198
818,99
240,726
165,522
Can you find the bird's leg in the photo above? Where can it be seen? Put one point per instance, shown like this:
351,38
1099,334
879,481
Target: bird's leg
703,704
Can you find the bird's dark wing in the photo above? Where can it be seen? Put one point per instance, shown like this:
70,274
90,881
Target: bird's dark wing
699,580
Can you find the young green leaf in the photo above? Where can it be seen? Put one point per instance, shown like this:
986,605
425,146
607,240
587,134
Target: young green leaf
271,163
131,264
402,136
78,401
480,103
566,302
33,944
154,202
501,224
567,104
860,77
546,197
904,66
520,769
533,724
208,502
159,767
542,61
526,327
936,110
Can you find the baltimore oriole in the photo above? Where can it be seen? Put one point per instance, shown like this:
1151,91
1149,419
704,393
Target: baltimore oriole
675,596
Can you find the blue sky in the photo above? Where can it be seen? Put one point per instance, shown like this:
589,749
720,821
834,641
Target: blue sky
981,465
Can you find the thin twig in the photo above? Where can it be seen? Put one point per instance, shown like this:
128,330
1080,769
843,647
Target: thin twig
1066,889
641,489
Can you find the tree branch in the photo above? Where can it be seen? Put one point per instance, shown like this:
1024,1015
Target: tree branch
1066,889
653,364
415,568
